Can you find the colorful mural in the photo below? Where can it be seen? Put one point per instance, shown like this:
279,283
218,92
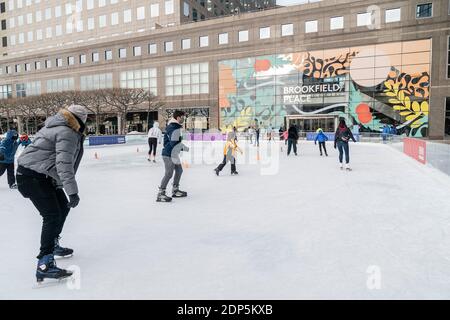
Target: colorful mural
369,86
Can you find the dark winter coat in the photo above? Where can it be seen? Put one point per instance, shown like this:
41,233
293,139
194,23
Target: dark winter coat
8,147
172,140
293,133
57,150
321,137
343,134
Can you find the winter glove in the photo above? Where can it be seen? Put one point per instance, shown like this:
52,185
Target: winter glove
74,200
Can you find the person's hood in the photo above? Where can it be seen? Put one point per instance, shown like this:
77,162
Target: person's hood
10,134
63,118
156,125
174,122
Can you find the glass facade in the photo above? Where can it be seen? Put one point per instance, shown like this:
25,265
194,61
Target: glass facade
187,79
59,85
140,79
96,81
369,86
5,91
28,89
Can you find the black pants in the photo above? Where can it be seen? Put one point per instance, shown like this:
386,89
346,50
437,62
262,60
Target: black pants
51,204
343,148
322,145
226,159
9,167
152,143
257,139
292,143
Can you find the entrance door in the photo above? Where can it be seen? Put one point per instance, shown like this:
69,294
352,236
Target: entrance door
311,124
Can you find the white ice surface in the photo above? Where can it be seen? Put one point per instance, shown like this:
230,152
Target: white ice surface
309,231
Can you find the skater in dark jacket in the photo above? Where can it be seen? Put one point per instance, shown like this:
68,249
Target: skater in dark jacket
341,139
292,139
46,173
8,149
171,156
322,138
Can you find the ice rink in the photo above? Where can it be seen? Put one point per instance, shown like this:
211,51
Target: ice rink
285,228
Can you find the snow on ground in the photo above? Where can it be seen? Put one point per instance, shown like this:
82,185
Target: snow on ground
307,231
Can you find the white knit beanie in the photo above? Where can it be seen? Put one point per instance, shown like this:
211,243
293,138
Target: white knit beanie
79,111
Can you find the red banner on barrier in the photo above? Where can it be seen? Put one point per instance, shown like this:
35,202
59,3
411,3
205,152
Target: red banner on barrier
416,149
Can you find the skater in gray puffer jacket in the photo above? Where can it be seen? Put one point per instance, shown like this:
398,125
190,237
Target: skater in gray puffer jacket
46,169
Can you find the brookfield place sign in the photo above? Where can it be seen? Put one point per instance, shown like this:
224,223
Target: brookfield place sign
302,94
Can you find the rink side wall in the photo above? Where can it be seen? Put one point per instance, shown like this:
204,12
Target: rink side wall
433,153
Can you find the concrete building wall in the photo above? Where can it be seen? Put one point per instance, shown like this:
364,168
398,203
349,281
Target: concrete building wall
436,28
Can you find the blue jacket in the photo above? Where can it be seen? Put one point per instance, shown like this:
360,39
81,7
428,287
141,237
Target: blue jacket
172,140
386,130
322,137
8,147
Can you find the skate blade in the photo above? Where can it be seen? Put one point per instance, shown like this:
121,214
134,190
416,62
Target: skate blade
63,257
158,200
51,282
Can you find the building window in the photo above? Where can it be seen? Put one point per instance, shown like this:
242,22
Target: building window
336,23
114,18
287,29
59,85
137,51
68,9
186,44
82,58
122,53
18,68
448,58
101,3
4,42
28,89
95,57
168,7
364,19
27,66
96,81
48,64
5,91
264,33
447,116
168,46
108,55
140,79
393,15
186,9
223,38
59,62
424,10
37,65
8,70
39,34
204,41
102,21
311,26
140,13
70,61
152,48
91,23
154,10
127,16
243,36
187,79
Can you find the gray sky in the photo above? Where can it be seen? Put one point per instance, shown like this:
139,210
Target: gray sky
291,2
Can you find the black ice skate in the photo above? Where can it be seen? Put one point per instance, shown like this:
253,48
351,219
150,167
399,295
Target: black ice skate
61,252
234,173
177,193
162,197
13,186
47,269
216,170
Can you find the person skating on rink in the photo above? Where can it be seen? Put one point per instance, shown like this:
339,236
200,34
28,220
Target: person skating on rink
341,138
322,138
257,132
171,156
229,154
46,173
293,137
8,149
154,137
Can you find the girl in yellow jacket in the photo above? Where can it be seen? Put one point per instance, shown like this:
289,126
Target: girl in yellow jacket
229,154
